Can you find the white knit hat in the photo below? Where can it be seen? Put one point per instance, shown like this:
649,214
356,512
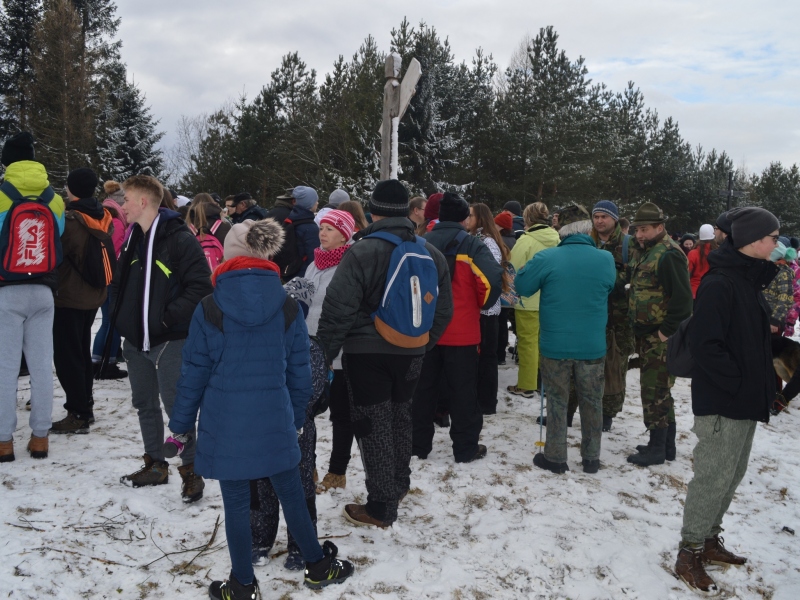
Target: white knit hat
706,232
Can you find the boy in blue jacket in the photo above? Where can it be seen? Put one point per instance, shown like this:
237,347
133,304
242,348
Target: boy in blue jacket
246,368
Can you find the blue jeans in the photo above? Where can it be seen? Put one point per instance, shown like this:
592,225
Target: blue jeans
102,333
236,499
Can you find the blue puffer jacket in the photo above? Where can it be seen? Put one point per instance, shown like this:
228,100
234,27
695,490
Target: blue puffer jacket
306,234
251,384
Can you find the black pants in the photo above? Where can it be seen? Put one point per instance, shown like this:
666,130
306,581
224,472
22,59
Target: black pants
487,365
342,428
458,366
72,356
506,315
381,387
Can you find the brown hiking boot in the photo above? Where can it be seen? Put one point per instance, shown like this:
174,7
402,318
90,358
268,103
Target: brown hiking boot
331,481
38,446
7,451
715,553
193,484
357,515
70,424
152,473
689,568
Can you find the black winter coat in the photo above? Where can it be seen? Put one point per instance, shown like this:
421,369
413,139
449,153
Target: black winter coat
254,213
180,279
729,338
355,292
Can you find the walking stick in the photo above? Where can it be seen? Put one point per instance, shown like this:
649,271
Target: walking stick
540,443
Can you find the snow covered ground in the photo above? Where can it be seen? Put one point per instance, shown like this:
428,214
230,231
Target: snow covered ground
499,528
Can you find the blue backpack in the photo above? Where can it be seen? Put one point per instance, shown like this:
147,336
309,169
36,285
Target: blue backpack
405,313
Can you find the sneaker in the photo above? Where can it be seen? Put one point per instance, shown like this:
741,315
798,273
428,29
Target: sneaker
7,451
607,421
152,473
294,562
38,446
558,468
591,466
112,371
70,424
479,454
518,391
193,484
715,553
357,515
331,481
689,569
233,590
328,570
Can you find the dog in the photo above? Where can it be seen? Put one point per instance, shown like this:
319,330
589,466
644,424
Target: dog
785,357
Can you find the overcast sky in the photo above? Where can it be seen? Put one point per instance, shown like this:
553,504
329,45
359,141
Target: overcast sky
726,71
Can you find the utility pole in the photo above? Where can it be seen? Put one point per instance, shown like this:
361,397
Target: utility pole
396,97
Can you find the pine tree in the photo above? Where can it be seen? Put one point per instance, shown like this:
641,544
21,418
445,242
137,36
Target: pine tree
18,21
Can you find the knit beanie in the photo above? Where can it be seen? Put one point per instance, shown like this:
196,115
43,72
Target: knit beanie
778,253
305,196
791,255
514,207
82,182
389,199
505,220
337,197
724,220
432,207
750,224
606,207
706,232
453,208
258,239
785,241
340,220
18,147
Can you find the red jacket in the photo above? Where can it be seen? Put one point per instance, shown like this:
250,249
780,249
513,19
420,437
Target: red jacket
698,266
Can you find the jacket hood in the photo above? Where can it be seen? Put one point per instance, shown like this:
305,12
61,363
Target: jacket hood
759,272
89,207
578,238
28,176
249,296
387,223
544,233
298,212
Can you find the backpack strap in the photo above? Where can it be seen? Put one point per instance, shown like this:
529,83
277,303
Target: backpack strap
386,236
455,244
290,310
215,226
10,190
212,312
625,242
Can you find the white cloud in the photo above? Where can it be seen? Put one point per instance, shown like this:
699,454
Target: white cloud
727,71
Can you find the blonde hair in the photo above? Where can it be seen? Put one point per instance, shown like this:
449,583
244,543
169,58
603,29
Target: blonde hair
536,213
147,185
355,209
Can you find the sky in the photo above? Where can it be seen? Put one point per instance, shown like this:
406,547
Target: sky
726,71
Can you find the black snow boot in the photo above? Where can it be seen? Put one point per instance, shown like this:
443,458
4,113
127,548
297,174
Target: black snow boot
233,590
655,451
328,570
607,421
670,448
541,461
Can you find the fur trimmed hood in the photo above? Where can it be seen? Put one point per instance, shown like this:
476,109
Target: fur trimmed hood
259,239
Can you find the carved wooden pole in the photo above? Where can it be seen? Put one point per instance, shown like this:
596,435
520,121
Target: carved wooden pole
391,108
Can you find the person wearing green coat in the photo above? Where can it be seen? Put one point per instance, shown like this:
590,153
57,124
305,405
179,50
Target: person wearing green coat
538,236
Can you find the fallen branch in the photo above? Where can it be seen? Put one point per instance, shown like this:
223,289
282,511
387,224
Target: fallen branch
28,525
105,561
201,549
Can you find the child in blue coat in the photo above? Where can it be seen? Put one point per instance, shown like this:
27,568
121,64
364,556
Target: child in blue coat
246,369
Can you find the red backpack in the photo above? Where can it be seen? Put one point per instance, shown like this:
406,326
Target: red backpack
211,247
30,242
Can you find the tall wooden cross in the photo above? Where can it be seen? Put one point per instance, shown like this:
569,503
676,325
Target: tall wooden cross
396,97
730,193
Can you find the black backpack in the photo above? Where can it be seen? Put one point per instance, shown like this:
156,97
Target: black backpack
288,259
99,259
679,356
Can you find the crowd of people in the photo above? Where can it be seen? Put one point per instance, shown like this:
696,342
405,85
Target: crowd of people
394,320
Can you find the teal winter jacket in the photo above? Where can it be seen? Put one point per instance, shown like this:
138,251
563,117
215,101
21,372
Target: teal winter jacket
575,279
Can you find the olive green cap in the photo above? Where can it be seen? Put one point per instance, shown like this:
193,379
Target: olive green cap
649,214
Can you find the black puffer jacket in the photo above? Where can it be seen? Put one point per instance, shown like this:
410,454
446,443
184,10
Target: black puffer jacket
254,213
180,279
355,292
730,340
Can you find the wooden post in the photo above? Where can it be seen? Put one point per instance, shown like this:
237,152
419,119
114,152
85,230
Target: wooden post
396,97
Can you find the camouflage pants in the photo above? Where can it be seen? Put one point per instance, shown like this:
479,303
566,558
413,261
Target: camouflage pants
587,378
619,347
655,382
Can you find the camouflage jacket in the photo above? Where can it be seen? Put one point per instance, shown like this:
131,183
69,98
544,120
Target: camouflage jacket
660,294
618,299
779,295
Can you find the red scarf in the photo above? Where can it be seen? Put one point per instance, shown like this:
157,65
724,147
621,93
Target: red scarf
325,259
240,263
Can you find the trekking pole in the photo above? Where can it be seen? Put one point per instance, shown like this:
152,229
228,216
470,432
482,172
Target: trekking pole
540,443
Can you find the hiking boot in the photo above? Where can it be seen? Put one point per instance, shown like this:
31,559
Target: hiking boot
590,466
518,391
607,421
233,590
152,473
357,515
689,569
479,454
112,371
38,446
72,423
193,484
654,453
260,555
540,461
330,481
7,451
328,570
442,419
715,553
670,450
